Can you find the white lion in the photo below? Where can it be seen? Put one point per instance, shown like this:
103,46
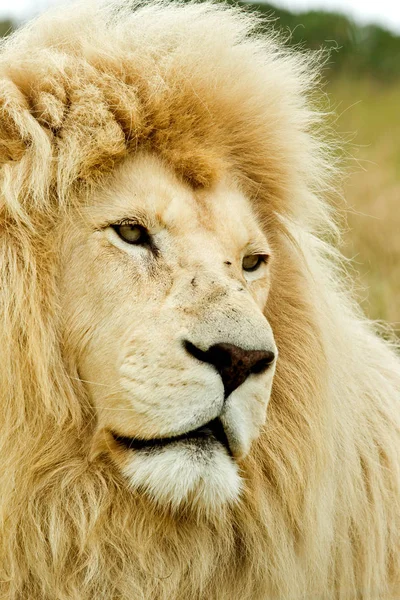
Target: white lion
162,219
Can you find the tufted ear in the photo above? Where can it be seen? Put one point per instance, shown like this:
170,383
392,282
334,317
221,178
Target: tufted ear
26,152
14,137
21,123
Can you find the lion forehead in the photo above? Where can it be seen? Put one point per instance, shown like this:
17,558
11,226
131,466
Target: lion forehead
73,114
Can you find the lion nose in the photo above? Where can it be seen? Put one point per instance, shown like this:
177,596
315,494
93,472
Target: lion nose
233,363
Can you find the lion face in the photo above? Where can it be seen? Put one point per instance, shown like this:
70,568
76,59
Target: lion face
162,297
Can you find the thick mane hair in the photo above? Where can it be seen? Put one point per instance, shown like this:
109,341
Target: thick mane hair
81,89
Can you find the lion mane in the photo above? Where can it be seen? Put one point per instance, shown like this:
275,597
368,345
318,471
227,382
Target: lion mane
81,89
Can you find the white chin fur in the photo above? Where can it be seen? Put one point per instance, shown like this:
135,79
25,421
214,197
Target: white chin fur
204,477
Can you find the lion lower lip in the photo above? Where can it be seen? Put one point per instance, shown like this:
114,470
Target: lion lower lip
213,429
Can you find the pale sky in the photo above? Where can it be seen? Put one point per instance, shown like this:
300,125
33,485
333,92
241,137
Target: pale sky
384,12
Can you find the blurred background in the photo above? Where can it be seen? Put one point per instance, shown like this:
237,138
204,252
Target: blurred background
362,79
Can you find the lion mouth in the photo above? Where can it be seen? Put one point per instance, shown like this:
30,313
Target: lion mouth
213,430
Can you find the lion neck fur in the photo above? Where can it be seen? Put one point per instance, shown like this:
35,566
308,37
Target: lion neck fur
299,497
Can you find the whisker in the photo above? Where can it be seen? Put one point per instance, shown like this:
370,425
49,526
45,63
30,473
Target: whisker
119,409
92,382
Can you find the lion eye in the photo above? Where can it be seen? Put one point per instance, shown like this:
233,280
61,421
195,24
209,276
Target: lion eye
252,262
132,233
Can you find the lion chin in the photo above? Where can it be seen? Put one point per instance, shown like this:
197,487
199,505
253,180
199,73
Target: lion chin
197,471
191,406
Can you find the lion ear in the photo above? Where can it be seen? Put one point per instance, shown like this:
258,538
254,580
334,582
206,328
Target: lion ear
14,136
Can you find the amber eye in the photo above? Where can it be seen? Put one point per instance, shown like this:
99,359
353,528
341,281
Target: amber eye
253,262
131,233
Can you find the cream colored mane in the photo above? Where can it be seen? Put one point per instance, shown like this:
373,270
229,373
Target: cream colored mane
81,89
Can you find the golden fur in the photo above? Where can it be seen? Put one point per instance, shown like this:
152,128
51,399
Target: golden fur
81,90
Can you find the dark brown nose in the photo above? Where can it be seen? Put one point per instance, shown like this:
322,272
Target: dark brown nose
233,363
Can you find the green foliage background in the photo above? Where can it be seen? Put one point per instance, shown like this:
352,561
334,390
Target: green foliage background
6,27
363,50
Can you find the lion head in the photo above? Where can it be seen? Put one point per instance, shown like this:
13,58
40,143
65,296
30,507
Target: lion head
163,235
167,332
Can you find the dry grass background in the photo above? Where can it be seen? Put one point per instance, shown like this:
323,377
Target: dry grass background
369,117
